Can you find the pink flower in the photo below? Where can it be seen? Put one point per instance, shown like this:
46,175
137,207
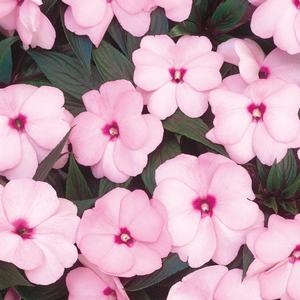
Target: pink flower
176,10
254,64
176,75
93,17
25,16
32,122
113,136
37,230
277,258
89,283
215,283
125,234
282,24
254,120
11,295
211,196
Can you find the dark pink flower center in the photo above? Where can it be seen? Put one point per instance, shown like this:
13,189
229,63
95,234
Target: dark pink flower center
18,123
296,3
257,111
264,73
295,255
20,2
177,74
112,130
108,1
124,237
22,229
205,205
110,292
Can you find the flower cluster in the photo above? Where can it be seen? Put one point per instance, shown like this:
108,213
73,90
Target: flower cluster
198,206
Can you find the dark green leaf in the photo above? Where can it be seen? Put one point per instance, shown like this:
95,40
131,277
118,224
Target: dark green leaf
292,189
184,28
283,173
271,203
194,129
165,151
81,46
106,186
76,185
275,179
47,5
55,291
47,164
228,14
83,205
10,276
290,207
247,259
64,72
139,295
111,63
262,171
6,58
171,266
159,23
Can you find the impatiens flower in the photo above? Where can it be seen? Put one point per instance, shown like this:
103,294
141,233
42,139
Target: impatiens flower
254,64
279,19
215,283
176,75
254,120
93,17
209,207
11,295
113,136
32,122
125,234
37,230
25,16
89,283
277,258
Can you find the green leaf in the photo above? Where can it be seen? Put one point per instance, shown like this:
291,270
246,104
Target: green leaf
275,179
262,171
290,207
76,185
106,186
292,189
165,151
185,28
47,164
159,23
111,63
6,59
171,266
247,259
271,203
47,5
55,291
194,129
283,173
83,205
229,14
10,276
81,45
65,72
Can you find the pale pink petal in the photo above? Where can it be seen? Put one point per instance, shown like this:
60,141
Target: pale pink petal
33,201
179,209
263,142
201,249
137,24
162,102
293,283
273,283
87,139
190,101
